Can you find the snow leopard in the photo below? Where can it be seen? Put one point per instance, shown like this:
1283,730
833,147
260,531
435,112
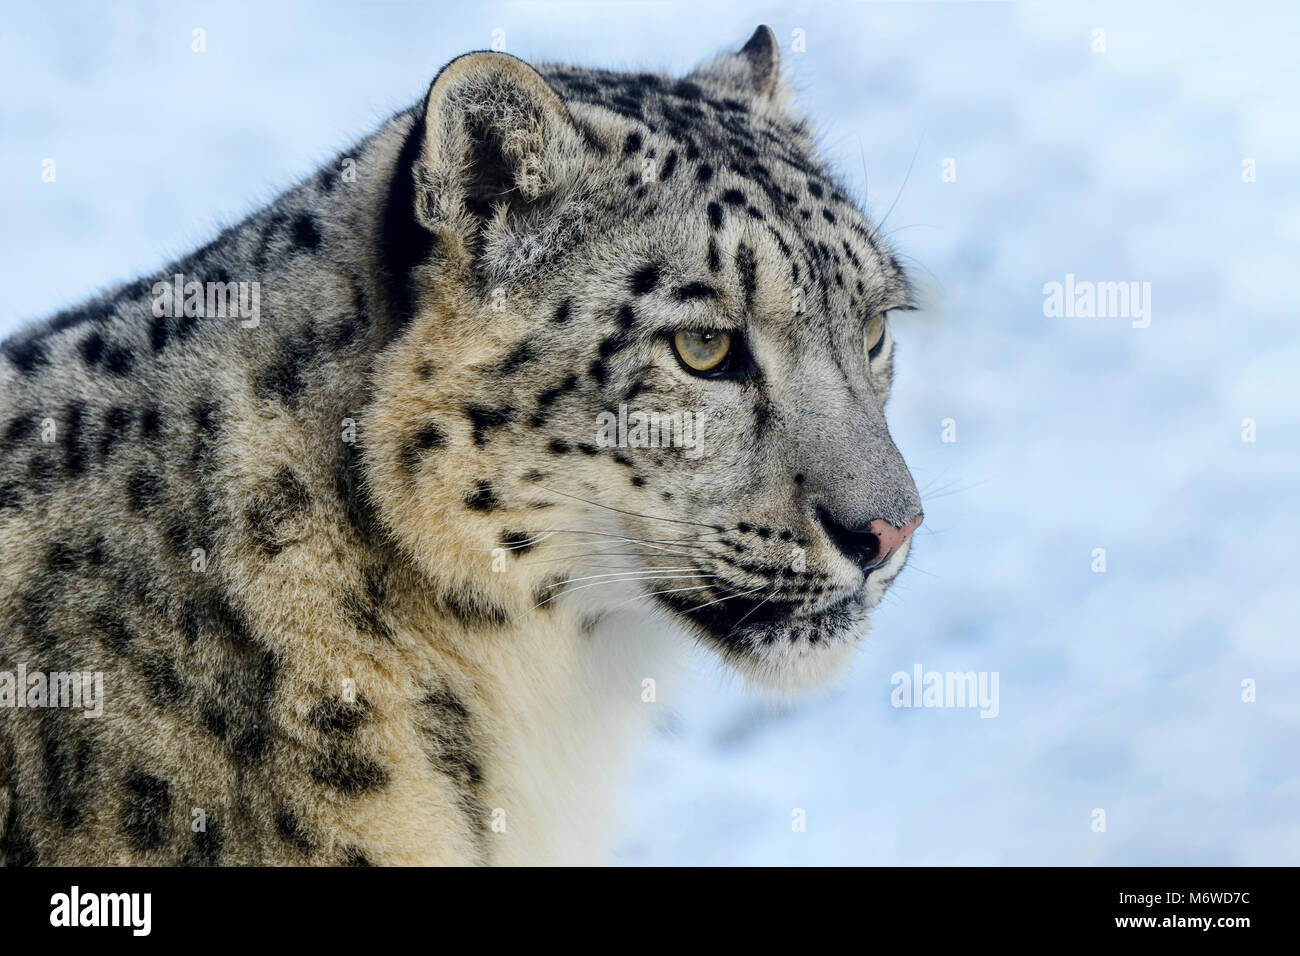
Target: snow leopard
374,530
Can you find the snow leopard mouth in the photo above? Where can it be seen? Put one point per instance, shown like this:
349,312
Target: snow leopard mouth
783,637
743,623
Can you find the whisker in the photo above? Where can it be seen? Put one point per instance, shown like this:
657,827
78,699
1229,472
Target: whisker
735,626
681,542
649,577
954,489
653,552
574,558
915,567
660,547
648,542
653,593
881,224
614,574
728,598
634,514
524,545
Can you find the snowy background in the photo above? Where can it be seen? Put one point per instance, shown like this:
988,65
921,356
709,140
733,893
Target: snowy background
1119,690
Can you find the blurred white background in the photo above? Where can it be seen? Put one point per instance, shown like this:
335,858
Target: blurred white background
1120,690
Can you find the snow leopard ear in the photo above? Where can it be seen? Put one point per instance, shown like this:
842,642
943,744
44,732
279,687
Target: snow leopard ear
754,69
496,139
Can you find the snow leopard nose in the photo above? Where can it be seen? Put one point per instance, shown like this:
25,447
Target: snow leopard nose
872,544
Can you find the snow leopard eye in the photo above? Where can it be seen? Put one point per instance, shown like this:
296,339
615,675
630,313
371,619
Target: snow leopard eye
702,351
875,335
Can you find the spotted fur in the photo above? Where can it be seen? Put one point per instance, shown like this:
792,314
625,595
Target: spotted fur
364,586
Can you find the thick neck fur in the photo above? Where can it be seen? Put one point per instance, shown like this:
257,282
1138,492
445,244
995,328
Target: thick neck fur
338,592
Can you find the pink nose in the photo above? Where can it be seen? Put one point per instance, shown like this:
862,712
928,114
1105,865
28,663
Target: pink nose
891,538
869,545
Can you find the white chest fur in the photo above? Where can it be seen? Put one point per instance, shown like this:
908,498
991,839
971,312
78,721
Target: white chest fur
576,705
